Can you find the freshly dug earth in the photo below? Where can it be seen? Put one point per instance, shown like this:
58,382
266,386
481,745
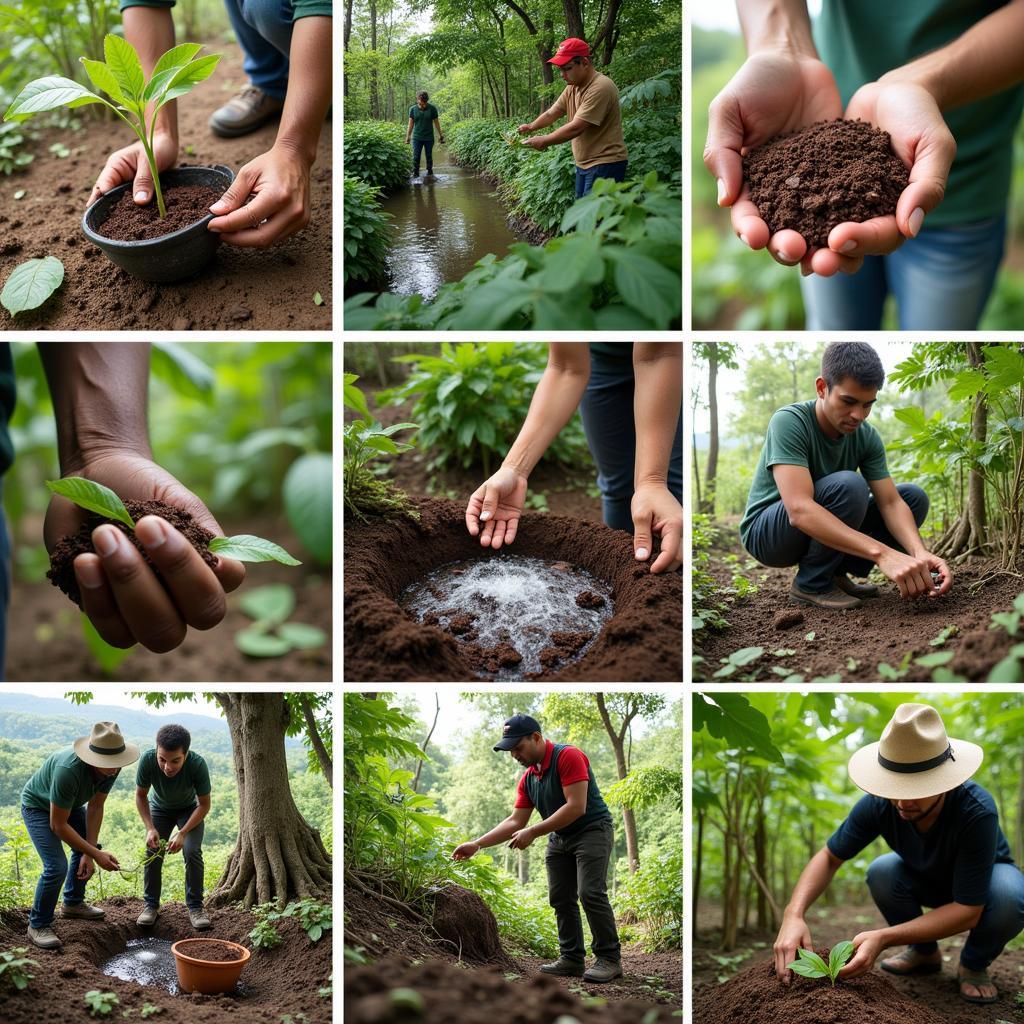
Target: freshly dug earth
641,642
211,951
824,175
463,919
185,204
62,572
277,981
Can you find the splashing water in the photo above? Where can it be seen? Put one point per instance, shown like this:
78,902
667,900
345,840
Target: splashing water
146,962
512,605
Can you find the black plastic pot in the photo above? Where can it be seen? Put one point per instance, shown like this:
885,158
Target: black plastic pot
169,257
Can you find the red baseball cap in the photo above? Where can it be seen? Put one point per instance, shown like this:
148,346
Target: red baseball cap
568,49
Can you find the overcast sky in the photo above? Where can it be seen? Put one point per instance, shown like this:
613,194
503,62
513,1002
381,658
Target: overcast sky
104,693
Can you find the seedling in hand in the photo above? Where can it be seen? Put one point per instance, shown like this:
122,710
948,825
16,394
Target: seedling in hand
121,77
809,965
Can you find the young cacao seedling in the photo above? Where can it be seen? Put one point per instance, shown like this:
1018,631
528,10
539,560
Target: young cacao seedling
809,965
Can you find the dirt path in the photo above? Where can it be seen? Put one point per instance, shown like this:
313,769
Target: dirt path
657,977
243,289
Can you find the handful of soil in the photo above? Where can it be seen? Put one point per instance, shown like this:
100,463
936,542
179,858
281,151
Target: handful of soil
62,572
824,175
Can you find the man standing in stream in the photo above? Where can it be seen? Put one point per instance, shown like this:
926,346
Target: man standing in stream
180,780
63,804
423,117
949,853
560,784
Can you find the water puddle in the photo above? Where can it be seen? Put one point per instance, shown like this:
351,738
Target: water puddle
441,226
513,614
146,962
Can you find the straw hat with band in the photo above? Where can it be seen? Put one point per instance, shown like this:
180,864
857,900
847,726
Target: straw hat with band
105,747
914,759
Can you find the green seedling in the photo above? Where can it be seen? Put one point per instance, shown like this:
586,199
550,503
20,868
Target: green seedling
943,636
14,968
407,999
100,1004
103,501
149,1009
327,992
136,101
810,965
1010,621
146,857
270,636
737,660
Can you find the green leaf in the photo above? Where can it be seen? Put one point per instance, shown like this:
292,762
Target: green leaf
308,503
247,548
812,959
123,63
48,94
95,497
186,373
838,956
648,287
270,604
31,284
102,77
302,636
935,659
354,398
745,656
261,645
806,970
318,299
176,57
187,77
732,718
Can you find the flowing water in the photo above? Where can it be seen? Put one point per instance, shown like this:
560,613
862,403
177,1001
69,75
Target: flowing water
441,227
146,962
516,600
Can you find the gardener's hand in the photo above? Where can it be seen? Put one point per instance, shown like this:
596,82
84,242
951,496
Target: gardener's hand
465,850
124,599
107,861
869,946
912,574
793,935
278,182
175,843
538,142
522,839
524,129
152,839
497,503
130,164
942,570
656,511
86,868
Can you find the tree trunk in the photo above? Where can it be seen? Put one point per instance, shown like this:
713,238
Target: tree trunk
698,870
542,41
278,856
760,858
374,96
711,469
608,33
348,36
622,770
316,740
419,764
573,19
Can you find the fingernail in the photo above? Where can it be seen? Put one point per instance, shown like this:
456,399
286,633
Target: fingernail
89,574
916,219
848,246
218,207
484,516
641,553
150,530
141,197
721,191
105,540
743,239
783,256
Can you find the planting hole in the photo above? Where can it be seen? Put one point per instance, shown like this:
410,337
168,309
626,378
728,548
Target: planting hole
513,615
146,962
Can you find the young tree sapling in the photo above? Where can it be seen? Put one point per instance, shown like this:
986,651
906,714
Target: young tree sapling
810,965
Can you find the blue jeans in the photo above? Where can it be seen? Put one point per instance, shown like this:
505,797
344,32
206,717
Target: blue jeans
418,146
941,280
5,585
900,895
607,413
192,850
56,869
264,32
774,541
585,178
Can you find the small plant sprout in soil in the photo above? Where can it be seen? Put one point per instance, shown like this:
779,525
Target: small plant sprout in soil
14,968
270,635
100,1004
810,965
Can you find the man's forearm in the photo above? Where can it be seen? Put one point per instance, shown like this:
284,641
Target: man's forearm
543,120
818,523
900,521
813,881
657,398
309,87
565,815
66,834
776,24
99,392
499,834
151,31
93,822
193,821
940,923
567,132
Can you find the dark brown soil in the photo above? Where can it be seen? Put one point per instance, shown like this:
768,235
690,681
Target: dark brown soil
589,600
824,175
277,981
211,951
185,204
641,642
62,572
461,917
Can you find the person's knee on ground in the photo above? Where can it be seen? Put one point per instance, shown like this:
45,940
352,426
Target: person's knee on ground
1002,919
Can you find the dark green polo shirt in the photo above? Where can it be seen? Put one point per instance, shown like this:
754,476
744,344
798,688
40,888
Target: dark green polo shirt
423,121
65,781
180,792
6,405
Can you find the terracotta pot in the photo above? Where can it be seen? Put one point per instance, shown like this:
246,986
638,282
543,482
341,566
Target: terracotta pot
209,977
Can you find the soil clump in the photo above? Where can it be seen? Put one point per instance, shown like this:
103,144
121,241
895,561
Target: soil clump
212,951
462,917
827,174
185,204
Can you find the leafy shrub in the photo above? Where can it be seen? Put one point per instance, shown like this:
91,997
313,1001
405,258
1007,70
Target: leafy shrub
376,154
366,232
654,898
14,967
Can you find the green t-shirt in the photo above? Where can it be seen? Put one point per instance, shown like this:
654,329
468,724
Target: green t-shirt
6,405
300,8
65,781
862,39
794,438
423,122
180,792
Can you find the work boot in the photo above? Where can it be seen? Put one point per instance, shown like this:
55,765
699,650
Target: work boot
854,589
833,600
85,911
604,970
44,937
148,916
564,968
199,920
910,961
250,109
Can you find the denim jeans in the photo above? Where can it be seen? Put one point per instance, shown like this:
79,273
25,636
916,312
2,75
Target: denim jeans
418,146
5,585
585,178
577,870
941,281
56,869
900,895
607,413
192,850
264,32
774,541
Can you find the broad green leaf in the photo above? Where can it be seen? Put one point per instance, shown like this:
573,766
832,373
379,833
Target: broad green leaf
354,398
102,77
745,656
804,969
309,503
95,497
935,659
270,604
176,57
187,77
31,284
124,65
839,955
732,718
247,548
648,287
302,636
186,373
813,960
261,645
48,94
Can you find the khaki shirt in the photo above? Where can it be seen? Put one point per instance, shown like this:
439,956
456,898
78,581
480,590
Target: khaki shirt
598,105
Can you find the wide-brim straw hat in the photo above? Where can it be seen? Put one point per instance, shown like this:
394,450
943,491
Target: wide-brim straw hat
105,747
914,759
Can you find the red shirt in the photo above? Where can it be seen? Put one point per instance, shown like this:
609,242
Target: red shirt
573,766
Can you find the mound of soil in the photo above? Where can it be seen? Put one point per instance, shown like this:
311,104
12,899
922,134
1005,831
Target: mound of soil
62,572
276,981
641,642
185,204
461,917
824,175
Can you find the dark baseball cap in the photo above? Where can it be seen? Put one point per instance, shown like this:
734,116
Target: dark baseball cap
514,729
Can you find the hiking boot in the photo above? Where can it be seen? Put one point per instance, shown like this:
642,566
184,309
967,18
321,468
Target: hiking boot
250,109
965,976
199,920
604,970
833,600
44,937
85,911
854,589
148,916
911,962
564,968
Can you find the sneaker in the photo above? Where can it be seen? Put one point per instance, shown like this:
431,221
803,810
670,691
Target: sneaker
834,600
861,590
148,916
83,910
911,962
604,970
564,968
44,937
199,920
250,109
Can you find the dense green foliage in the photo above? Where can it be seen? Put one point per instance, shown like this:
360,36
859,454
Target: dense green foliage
366,233
376,154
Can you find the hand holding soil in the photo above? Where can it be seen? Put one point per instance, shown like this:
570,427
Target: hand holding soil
869,947
656,511
913,575
498,504
793,935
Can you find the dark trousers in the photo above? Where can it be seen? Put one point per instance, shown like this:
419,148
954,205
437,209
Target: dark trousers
418,146
5,585
263,29
577,869
56,869
192,850
774,541
585,178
